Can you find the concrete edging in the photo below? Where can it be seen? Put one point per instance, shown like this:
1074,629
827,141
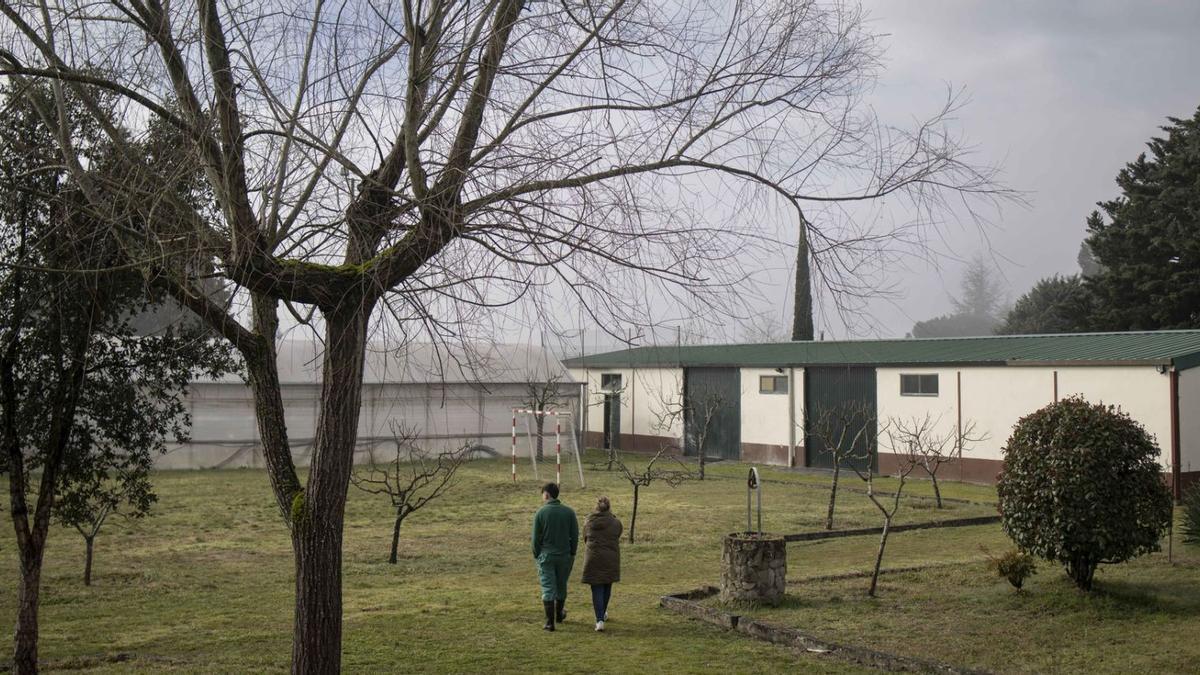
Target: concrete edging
835,534
685,604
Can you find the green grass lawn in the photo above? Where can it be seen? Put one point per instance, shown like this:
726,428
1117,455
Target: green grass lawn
205,584
1142,617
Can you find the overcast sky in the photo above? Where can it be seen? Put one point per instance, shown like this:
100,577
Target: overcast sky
1062,94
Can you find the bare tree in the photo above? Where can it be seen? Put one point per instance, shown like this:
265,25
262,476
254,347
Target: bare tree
696,415
764,327
702,416
923,442
540,396
673,476
410,165
887,511
411,479
847,432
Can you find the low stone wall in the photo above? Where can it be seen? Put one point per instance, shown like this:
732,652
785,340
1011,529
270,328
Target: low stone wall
753,568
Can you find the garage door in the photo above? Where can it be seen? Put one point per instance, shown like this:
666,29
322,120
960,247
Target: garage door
713,397
834,389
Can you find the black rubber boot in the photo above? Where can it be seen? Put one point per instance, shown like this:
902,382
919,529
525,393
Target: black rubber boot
561,610
548,607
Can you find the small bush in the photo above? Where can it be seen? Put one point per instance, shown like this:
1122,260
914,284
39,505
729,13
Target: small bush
1191,515
1014,566
1082,486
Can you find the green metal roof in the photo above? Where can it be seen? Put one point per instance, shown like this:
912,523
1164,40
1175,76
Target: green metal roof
1180,348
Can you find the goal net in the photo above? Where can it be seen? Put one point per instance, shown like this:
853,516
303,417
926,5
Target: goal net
558,436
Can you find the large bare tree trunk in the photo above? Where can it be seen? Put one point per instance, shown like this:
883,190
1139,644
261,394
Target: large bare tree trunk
318,512
317,633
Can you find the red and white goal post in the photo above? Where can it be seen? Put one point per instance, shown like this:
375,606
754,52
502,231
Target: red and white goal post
564,428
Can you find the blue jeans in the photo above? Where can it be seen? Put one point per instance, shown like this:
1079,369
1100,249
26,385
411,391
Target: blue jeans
600,596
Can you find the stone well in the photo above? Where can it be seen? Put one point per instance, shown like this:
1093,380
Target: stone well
753,568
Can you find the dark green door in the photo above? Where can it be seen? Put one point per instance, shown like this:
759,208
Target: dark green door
840,399
713,412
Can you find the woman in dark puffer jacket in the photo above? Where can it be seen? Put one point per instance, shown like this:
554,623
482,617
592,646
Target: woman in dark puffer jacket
601,557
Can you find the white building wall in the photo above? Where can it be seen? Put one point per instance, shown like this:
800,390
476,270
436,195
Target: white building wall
1189,420
994,398
657,392
765,417
444,417
892,407
647,394
1141,391
772,425
222,412
593,406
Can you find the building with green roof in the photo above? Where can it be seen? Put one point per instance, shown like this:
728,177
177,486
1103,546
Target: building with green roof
773,403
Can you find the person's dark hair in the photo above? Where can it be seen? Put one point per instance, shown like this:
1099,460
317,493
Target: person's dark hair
602,505
551,489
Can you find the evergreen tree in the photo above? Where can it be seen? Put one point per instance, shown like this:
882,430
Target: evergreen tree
976,310
954,325
1147,240
85,405
802,308
1055,304
982,293
1087,261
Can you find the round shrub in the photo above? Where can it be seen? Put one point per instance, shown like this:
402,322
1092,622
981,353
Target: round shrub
1082,486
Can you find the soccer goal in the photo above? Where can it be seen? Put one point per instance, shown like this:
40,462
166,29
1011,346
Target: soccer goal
564,432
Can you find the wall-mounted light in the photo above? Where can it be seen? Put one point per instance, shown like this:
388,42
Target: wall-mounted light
1161,368
779,370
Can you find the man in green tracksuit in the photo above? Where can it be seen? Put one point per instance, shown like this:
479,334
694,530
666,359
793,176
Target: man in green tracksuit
555,538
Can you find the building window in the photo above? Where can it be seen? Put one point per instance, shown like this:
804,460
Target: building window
773,384
610,381
918,385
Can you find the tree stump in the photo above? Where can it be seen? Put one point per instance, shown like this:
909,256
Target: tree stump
753,568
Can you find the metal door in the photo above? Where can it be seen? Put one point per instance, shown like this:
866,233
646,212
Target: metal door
713,412
832,388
